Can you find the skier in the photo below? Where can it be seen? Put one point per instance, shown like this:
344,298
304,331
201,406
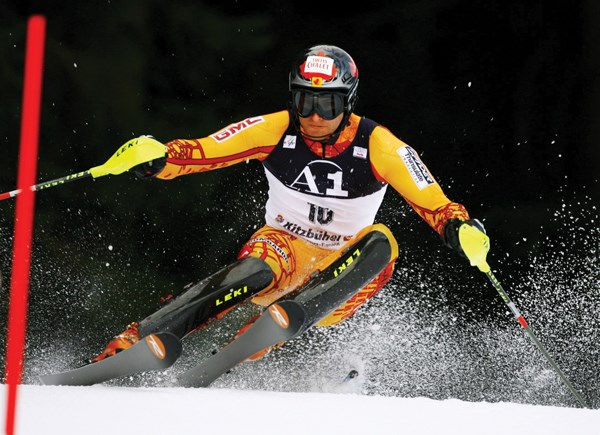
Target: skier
327,169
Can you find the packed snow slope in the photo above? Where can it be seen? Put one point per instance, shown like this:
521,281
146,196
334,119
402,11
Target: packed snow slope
152,411
437,351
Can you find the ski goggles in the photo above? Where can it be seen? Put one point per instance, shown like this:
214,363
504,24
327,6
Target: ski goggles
328,105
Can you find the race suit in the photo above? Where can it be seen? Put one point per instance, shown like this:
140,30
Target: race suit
320,197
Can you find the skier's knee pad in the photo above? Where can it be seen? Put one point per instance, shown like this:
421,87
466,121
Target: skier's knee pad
373,287
202,301
360,262
382,229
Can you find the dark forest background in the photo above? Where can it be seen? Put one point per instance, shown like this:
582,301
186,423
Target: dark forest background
501,99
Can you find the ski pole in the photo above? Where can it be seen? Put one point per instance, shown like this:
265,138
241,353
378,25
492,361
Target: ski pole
134,152
476,244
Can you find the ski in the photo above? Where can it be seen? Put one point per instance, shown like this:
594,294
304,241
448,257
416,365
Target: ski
279,323
153,352
292,316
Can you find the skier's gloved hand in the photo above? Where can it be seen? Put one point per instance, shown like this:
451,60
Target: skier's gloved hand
151,168
450,235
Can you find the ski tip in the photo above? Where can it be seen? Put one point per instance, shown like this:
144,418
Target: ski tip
153,352
165,346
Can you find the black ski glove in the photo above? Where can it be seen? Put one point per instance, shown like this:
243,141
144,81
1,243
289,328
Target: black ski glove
149,169
450,236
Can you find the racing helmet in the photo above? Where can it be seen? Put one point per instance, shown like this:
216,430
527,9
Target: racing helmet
324,78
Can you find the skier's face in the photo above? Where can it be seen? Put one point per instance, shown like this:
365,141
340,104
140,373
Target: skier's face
314,126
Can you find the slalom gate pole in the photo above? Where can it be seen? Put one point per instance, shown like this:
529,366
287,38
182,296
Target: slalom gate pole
28,152
475,245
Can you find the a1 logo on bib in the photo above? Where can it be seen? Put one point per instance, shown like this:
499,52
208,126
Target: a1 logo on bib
321,177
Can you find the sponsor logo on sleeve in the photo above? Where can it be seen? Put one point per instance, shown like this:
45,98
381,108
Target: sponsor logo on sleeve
415,166
233,129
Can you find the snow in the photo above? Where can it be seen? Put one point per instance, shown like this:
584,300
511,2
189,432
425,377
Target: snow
102,409
437,352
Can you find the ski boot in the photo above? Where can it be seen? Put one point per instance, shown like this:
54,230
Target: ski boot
123,341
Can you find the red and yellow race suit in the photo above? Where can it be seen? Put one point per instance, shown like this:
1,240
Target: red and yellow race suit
320,196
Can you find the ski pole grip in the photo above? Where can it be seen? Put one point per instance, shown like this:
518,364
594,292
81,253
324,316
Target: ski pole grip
132,153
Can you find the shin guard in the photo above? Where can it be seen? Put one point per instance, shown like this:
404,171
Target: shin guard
208,298
358,265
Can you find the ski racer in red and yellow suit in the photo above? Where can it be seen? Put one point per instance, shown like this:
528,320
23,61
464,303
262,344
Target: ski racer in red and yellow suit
327,170
320,196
